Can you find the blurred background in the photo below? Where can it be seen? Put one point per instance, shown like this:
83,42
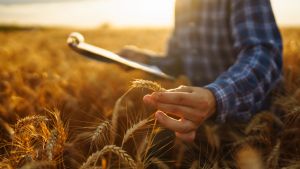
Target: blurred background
39,73
119,13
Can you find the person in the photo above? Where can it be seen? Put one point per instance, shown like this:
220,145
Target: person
231,50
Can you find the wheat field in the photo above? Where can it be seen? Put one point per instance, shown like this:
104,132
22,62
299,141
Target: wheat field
60,110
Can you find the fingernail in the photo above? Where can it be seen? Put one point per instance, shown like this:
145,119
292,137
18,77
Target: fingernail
147,97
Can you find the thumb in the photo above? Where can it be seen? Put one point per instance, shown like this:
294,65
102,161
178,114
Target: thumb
182,88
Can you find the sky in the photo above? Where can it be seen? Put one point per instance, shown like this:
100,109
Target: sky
92,13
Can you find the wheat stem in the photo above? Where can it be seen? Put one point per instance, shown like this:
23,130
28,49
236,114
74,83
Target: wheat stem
195,165
160,164
115,116
40,165
272,160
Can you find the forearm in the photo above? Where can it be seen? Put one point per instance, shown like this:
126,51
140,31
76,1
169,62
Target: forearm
241,91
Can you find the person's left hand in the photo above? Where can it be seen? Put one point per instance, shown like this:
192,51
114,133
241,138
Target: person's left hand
192,105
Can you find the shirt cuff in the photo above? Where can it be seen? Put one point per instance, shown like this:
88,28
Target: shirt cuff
224,94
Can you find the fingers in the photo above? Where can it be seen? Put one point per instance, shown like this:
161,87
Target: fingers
188,137
195,114
184,129
181,126
181,111
178,98
192,104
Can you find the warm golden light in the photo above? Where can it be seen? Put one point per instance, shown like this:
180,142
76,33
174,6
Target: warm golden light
141,12
91,13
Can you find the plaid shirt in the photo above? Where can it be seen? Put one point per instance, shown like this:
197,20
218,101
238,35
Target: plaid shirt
232,47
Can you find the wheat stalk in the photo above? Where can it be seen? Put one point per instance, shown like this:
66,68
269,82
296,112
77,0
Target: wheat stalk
259,118
134,128
6,127
110,148
139,83
97,136
212,136
58,137
5,164
40,165
115,116
249,157
294,165
140,154
251,140
272,160
160,164
195,165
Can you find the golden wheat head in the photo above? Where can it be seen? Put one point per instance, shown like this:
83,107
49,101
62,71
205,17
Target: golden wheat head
140,83
113,149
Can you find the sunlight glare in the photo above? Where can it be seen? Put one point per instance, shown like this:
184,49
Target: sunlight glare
141,12
91,13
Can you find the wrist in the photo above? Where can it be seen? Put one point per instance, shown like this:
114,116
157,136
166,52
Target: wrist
212,103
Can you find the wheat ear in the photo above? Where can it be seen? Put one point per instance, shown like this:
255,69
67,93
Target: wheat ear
51,143
134,128
100,130
140,83
58,137
264,116
5,164
110,148
27,121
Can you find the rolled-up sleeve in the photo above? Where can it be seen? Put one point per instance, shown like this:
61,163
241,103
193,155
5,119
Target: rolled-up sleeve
242,89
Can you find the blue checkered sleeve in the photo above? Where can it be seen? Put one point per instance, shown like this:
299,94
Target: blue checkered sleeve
172,62
241,90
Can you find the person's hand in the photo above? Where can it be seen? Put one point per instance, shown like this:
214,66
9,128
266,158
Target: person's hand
135,54
192,105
